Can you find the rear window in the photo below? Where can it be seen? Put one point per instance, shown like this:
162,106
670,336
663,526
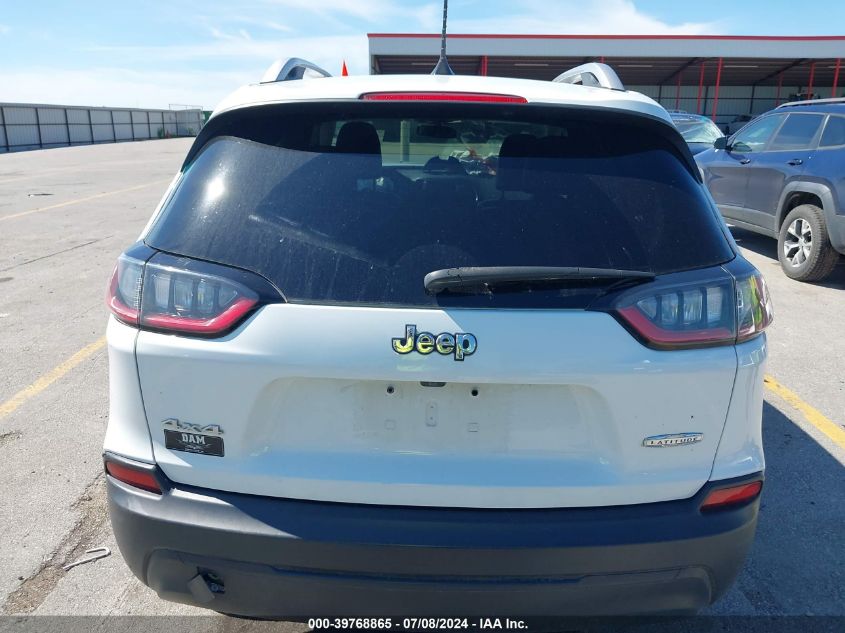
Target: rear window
356,203
697,130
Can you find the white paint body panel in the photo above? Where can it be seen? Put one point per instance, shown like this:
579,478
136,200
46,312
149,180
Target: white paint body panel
565,398
564,401
338,88
127,433
741,446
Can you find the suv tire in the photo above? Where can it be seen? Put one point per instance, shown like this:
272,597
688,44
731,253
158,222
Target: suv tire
804,229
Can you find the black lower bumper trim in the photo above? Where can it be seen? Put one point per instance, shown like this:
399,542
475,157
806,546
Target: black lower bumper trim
268,557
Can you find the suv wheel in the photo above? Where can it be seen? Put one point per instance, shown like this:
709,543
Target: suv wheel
804,247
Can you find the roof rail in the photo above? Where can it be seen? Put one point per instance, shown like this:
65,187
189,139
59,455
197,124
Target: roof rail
592,74
292,69
813,102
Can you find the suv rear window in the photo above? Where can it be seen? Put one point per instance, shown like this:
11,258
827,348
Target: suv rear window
356,203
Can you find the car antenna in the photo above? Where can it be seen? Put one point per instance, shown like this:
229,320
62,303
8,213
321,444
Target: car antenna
443,67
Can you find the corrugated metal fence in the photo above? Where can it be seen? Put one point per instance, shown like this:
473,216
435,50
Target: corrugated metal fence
733,100
25,126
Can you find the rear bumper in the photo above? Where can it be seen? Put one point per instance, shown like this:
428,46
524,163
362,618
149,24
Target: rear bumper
286,558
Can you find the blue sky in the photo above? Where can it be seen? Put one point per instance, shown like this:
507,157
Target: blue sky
151,54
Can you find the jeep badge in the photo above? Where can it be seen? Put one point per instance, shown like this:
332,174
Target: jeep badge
460,344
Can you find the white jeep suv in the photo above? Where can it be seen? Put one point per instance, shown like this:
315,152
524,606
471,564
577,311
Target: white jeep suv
406,345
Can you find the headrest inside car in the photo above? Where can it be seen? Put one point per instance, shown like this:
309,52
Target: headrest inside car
515,149
358,137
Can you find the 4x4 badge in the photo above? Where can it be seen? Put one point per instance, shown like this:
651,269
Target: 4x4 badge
193,438
460,344
172,424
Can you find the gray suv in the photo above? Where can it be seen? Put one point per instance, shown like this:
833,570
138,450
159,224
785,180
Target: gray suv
783,175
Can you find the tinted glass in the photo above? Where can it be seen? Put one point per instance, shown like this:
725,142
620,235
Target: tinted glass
798,132
340,209
753,138
834,132
695,130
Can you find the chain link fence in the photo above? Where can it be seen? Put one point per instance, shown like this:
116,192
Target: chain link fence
26,126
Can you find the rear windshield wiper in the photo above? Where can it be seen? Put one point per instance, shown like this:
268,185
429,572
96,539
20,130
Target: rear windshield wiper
485,276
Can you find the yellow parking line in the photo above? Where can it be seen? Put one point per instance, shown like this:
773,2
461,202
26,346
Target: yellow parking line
815,417
49,378
80,200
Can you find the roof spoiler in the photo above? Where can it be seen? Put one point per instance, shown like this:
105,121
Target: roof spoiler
292,69
593,74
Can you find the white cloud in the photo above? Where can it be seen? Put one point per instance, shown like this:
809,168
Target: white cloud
237,47
328,51
240,35
120,87
372,11
149,86
264,24
219,34
519,16
601,17
4,29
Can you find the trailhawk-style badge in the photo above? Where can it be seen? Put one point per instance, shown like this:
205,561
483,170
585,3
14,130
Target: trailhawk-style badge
193,438
673,439
460,344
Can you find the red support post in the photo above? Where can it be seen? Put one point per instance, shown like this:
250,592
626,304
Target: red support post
484,65
678,92
601,59
836,76
716,93
780,85
700,87
810,83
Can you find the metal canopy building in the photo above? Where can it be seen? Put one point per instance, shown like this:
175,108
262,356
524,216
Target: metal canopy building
722,76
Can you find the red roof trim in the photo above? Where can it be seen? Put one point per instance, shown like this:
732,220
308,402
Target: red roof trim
511,36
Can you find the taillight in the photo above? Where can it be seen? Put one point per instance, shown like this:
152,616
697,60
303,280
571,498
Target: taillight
753,306
673,315
723,498
137,477
178,295
475,97
124,293
721,310
192,302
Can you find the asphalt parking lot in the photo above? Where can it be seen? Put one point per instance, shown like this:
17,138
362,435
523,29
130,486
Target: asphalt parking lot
66,214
